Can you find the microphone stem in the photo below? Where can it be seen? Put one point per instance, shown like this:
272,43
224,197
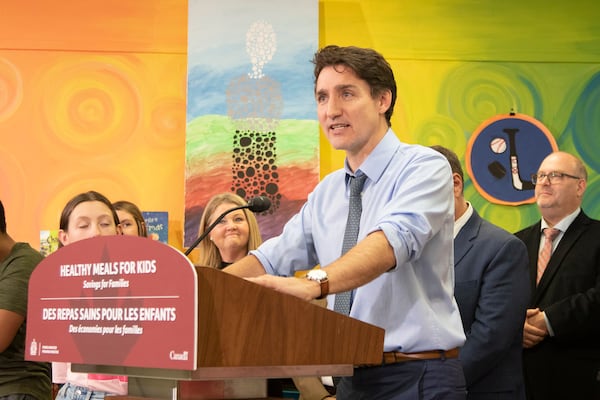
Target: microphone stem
211,227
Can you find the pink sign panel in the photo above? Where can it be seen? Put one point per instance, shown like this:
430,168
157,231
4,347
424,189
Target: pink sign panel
114,300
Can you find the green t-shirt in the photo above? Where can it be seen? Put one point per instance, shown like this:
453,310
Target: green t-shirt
18,376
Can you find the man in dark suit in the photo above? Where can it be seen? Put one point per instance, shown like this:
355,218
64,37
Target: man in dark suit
492,292
561,336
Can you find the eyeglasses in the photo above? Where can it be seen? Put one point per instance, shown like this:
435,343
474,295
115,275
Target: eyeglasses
553,177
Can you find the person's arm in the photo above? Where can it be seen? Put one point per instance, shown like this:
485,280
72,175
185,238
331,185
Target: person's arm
576,315
248,266
278,250
370,258
13,299
10,322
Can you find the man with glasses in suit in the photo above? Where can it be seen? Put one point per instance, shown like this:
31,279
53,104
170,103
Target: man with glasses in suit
561,356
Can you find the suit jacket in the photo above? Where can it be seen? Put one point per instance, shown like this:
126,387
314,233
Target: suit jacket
566,365
492,292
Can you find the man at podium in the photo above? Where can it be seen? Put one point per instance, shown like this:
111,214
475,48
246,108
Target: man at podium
381,228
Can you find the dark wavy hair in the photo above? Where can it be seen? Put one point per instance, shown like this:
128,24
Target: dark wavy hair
452,160
367,64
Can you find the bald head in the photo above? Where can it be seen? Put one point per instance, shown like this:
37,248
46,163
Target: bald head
561,190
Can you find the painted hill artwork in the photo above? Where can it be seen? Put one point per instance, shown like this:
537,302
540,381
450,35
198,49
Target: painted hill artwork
285,168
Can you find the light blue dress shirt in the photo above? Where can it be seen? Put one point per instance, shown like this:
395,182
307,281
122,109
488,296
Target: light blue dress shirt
408,195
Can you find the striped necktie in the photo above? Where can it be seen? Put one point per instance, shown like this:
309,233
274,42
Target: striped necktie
549,235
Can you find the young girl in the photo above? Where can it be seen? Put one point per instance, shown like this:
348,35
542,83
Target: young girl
131,218
85,216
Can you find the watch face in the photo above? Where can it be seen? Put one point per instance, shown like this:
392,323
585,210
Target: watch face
316,275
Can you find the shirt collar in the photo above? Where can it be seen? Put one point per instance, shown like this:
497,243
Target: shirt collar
462,220
378,160
564,223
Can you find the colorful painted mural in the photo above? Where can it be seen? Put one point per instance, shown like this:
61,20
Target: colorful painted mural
459,63
251,123
91,98
93,94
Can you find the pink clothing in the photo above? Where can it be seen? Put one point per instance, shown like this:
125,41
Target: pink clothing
113,384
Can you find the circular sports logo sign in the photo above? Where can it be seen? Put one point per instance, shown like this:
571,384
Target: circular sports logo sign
502,154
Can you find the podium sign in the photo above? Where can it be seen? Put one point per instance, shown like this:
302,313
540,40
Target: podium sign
114,300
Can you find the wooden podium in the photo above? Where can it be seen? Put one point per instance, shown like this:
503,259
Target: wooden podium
245,332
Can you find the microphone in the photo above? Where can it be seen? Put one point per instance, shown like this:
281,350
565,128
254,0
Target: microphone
258,204
255,204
